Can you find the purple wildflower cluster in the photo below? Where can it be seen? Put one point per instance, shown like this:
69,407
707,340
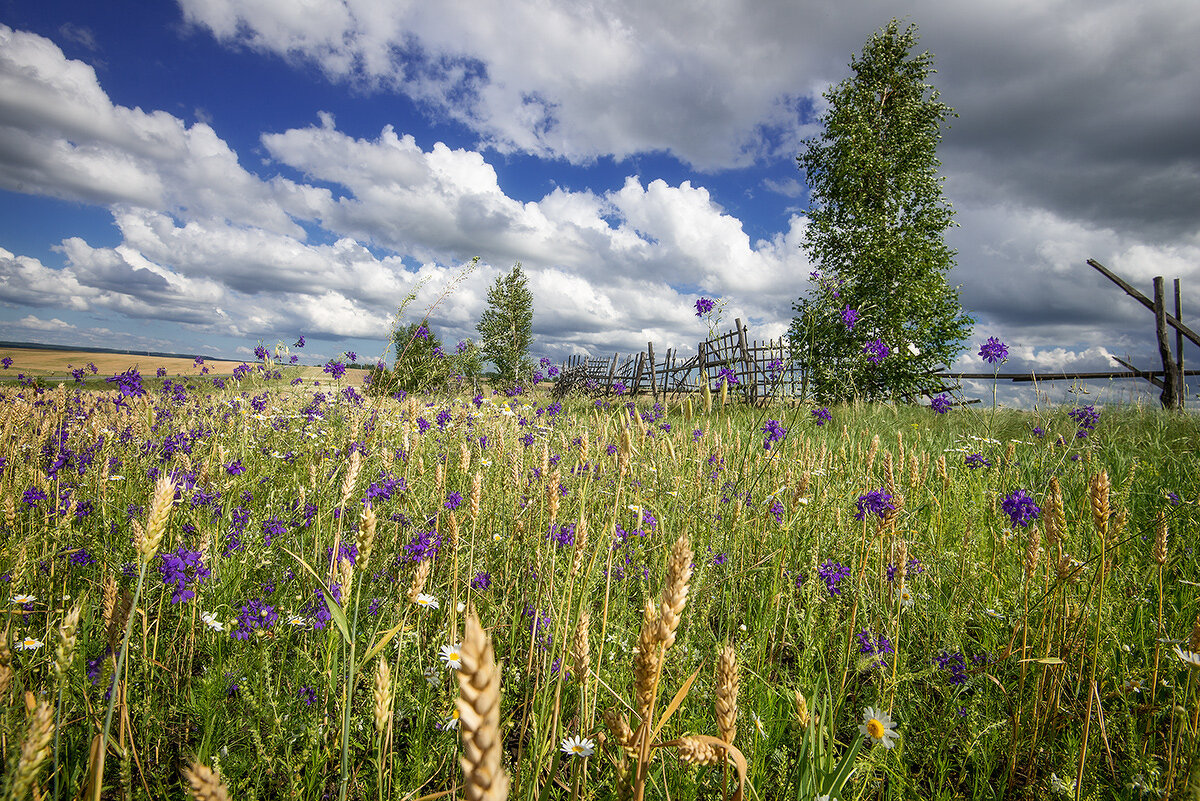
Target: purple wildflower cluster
870,644
913,568
1020,508
940,404
954,664
255,615
850,317
562,534
727,376
821,416
832,573
875,502
1086,418
129,382
481,581
976,460
993,351
773,432
704,306
876,351
183,571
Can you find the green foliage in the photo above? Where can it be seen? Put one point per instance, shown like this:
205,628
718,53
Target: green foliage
422,364
876,220
506,326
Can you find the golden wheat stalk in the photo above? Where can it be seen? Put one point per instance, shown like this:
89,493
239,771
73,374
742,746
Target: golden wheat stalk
727,691
618,726
1160,540
160,512
478,706
420,575
675,591
34,750
205,783
367,523
351,477
6,671
1098,491
383,695
580,648
66,641
695,751
646,662
476,494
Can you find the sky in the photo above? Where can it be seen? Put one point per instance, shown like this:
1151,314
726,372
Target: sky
202,176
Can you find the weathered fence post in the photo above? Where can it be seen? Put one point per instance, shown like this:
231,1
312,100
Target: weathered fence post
1170,371
653,377
1181,400
612,373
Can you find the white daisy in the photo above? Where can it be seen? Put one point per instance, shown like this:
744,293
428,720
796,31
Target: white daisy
427,601
29,644
211,621
578,747
879,726
296,620
22,599
451,656
452,721
1190,658
906,598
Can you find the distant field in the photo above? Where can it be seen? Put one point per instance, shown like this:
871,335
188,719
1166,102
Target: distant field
51,363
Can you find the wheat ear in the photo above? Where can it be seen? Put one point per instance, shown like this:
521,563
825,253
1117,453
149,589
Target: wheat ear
205,783
727,691
34,750
1098,489
646,662
675,592
383,695
695,751
478,705
160,512
580,651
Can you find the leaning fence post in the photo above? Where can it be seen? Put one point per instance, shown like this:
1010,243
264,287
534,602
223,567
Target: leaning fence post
653,377
1170,377
1179,350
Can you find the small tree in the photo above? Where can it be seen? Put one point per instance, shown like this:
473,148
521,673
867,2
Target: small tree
506,326
881,316
422,364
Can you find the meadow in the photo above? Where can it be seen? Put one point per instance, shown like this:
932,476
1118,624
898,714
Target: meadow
287,588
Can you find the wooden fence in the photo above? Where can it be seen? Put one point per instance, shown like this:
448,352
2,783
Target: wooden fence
753,369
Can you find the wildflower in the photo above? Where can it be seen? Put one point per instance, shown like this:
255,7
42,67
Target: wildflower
850,317
876,502
821,416
976,460
879,726
1061,787
832,573
22,599
759,726
299,621
578,747
703,307
993,351
299,342
876,351
727,375
6,362
426,601
451,656
29,644
209,619
940,404
453,501
774,433
451,722
1190,658
1020,508
481,581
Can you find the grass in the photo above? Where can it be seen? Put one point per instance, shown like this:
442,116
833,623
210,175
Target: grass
1011,663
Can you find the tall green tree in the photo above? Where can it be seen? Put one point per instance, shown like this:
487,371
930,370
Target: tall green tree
506,325
880,316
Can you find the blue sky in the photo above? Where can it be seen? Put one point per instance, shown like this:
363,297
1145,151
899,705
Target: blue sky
201,176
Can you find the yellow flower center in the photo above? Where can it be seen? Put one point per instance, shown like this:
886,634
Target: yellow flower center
875,728
578,749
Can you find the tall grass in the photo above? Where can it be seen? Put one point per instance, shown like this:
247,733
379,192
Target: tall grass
704,615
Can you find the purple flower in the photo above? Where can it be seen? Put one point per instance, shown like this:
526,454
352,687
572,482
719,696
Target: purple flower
335,369
940,404
1020,508
1173,498
184,570
129,382
821,416
850,317
976,460
235,468
727,375
777,512
832,573
272,527
352,356
260,352
161,372
876,351
875,502
300,342
563,534
703,307
481,581
1039,432
32,495
6,362
453,501
255,615
773,432
1086,417
422,332
993,351
954,664
874,645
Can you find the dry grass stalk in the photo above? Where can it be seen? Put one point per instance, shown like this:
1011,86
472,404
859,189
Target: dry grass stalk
205,783
695,751
1098,490
914,471
889,474
581,533
553,497
34,750
941,470
109,597
351,477
160,512
6,671
1033,552
451,528
803,716
675,591
871,453
464,457
1056,521
727,691
420,575
479,716
383,695
345,576
580,648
